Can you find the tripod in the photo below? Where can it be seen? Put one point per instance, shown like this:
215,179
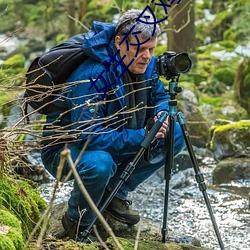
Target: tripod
129,168
169,163
173,90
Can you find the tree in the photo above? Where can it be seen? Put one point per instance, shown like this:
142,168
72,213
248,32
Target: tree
181,28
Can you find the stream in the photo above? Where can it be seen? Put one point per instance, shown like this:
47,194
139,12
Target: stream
187,212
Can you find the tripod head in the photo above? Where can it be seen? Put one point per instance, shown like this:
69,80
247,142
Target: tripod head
171,65
174,89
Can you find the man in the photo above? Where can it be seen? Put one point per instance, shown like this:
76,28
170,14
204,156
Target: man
107,114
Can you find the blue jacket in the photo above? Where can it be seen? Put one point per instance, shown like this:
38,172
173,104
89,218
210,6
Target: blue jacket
90,117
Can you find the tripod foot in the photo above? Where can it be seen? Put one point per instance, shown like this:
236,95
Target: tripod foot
164,232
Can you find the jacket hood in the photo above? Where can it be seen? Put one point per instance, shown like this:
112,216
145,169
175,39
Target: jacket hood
98,42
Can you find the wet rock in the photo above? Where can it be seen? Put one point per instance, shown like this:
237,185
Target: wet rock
31,167
231,169
181,179
231,139
197,125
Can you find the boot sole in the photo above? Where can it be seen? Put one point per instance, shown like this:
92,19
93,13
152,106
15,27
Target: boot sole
121,219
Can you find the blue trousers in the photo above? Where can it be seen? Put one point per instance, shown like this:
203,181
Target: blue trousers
100,170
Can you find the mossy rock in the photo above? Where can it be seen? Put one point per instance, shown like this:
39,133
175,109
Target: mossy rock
150,235
22,200
232,139
10,231
128,244
231,169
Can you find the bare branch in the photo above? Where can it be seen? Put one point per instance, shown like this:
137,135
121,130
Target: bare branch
79,22
66,154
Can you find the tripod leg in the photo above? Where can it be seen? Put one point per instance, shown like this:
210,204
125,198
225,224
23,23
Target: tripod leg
199,177
168,173
129,168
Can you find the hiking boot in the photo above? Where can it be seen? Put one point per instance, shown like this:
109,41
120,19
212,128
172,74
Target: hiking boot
121,211
75,231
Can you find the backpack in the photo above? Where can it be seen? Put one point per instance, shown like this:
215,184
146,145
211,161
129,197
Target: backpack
48,73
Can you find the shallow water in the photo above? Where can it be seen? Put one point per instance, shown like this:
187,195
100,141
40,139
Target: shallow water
188,215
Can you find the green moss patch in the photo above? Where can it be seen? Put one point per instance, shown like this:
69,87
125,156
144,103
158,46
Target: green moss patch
128,244
22,200
230,139
10,231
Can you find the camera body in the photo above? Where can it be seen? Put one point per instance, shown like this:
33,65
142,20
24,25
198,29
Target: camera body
171,65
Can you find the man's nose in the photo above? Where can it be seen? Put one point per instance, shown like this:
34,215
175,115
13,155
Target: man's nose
146,54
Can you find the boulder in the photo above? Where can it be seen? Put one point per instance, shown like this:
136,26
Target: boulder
231,169
150,235
232,139
197,125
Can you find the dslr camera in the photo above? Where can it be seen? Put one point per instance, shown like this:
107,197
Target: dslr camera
171,65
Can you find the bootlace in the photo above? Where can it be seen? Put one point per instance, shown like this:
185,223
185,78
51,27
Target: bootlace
127,203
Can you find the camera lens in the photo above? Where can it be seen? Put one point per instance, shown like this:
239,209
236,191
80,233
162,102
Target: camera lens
182,63
171,65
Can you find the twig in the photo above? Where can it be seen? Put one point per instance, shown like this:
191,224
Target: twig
66,154
99,238
77,21
45,217
137,236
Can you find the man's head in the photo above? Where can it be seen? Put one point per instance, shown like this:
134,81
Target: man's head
140,53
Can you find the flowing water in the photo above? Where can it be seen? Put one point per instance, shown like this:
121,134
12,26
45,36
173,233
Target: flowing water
187,212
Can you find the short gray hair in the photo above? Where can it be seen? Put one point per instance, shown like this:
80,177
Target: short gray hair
128,20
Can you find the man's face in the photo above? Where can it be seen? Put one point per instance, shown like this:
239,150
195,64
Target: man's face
143,57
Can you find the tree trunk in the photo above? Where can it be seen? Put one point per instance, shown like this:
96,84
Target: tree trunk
181,37
83,7
72,14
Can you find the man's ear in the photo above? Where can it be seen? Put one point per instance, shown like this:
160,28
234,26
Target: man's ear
117,42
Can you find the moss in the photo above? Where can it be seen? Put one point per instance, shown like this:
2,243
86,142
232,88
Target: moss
128,244
212,100
221,133
224,75
236,125
13,239
9,219
219,104
13,71
16,237
6,243
22,200
17,61
228,45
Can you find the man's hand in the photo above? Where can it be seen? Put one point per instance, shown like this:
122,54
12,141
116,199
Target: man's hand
164,128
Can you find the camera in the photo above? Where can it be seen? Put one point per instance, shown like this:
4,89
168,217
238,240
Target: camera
171,65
